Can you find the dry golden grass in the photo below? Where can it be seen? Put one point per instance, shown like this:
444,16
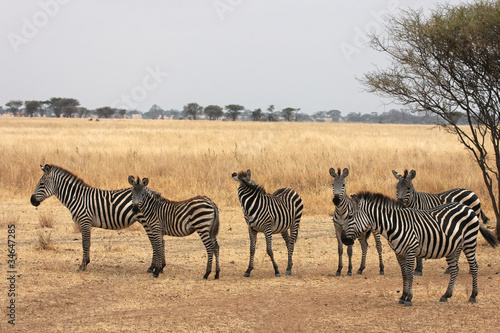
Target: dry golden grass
187,158
46,219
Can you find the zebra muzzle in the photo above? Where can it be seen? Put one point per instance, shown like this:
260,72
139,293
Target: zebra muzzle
347,241
34,201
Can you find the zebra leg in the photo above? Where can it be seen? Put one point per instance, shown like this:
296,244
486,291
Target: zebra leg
253,240
407,273
294,230
269,246
473,269
448,269
286,237
210,245
216,251
155,250
378,244
340,248
349,256
364,249
420,266
85,227
452,261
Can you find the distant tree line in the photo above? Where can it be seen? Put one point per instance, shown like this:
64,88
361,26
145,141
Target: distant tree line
70,108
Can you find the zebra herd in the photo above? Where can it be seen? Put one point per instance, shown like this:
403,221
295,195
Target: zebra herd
417,225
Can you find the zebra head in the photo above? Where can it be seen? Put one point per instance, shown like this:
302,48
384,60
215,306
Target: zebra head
45,187
356,222
404,188
338,184
138,191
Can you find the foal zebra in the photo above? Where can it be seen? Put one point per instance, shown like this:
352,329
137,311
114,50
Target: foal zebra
342,203
180,219
275,213
410,198
92,207
443,231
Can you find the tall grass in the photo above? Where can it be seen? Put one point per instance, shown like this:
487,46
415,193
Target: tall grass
186,158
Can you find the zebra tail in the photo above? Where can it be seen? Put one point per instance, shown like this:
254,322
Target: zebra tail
484,217
490,238
214,229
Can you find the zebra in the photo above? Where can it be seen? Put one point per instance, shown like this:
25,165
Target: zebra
342,203
422,200
410,198
279,212
93,207
181,218
443,231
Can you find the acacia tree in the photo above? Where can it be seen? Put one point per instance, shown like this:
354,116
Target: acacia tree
288,113
192,109
31,107
257,115
213,112
233,110
14,107
270,111
447,63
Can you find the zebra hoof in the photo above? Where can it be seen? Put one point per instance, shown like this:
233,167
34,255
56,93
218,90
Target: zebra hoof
408,303
150,270
359,272
216,276
417,273
381,273
447,271
288,273
443,299
349,273
246,275
401,301
277,275
472,300
338,273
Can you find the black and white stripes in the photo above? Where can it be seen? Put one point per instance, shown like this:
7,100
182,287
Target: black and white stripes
90,207
179,219
275,213
443,231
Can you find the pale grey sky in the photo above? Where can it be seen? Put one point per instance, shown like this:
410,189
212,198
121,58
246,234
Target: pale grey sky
133,54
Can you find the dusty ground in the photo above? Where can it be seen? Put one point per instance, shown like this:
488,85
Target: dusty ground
116,294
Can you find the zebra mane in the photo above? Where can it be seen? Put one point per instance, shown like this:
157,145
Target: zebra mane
242,176
75,178
379,198
155,195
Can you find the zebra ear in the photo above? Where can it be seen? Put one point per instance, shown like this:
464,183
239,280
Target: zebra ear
145,182
412,174
234,175
397,175
46,168
355,199
333,173
249,174
131,180
345,172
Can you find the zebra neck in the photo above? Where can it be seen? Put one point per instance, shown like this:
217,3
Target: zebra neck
67,188
343,206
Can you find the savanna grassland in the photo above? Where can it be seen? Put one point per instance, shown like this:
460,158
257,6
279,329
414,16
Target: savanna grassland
186,158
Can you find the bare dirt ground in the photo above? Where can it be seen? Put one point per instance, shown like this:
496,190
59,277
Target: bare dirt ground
116,294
